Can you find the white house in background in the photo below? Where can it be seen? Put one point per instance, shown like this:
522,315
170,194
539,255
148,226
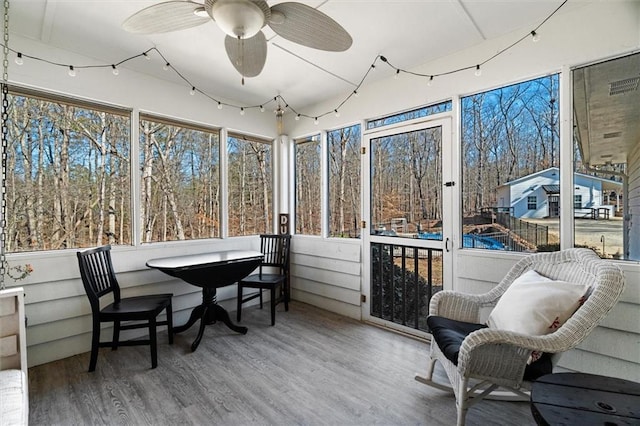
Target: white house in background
538,195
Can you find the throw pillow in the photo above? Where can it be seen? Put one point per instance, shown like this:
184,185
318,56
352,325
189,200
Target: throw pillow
536,305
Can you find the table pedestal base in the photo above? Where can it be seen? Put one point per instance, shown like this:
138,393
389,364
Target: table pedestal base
209,312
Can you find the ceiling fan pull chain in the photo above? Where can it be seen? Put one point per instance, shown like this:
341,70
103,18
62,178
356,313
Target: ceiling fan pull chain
241,55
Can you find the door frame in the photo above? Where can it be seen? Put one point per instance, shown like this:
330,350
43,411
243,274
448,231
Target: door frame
450,219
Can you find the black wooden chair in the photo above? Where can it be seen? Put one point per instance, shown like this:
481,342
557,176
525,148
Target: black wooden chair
273,274
99,279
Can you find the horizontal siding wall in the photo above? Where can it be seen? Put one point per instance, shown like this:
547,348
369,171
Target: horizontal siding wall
327,273
612,349
58,311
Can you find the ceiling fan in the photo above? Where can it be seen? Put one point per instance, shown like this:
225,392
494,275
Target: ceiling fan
242,21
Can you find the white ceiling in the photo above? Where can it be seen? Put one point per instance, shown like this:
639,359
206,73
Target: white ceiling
407,32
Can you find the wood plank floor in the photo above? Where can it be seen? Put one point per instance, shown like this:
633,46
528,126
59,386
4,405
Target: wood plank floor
312,368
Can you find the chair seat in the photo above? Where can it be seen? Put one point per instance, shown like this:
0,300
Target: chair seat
449,335
139,307
264,281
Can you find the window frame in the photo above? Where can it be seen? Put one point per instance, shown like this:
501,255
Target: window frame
577,201
319,138
189,125
225,181
100,107
327,202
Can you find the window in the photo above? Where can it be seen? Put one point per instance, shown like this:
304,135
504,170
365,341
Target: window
344,182
308,186
250,185
577,202
68,173
607,157
510,148
179,183
410,115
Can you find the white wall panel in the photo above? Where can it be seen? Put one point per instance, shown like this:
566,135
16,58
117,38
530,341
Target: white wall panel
602,365
327,273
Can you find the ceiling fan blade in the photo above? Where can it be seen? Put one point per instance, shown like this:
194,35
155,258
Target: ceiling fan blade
165,17
309,27
248,56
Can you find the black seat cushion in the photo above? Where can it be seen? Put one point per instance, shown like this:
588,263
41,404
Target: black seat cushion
449,335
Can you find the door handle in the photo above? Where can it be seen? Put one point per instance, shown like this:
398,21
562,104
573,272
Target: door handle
446,245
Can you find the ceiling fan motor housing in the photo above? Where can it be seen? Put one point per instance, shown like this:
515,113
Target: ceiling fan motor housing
238,18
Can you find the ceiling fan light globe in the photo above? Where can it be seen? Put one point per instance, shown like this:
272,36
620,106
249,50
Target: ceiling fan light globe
238,18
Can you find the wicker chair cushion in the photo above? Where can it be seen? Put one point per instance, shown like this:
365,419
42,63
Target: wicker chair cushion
449,335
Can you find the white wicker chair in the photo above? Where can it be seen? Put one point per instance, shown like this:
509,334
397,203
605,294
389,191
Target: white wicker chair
491,358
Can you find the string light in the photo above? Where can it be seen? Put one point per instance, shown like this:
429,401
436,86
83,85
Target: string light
535,37
72,71
192,91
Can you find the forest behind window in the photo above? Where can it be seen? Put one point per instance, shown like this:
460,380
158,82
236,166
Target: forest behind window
68,174
344,182
406,184
180,181
308,186
250,186
510,167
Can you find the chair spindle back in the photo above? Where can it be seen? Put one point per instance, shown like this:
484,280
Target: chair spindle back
98,276
275,249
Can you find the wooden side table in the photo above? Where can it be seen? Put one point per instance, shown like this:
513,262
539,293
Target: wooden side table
585,399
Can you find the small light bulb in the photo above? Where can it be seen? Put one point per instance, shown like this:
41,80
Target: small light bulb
219,105
166,66
19,60
397,74
355,93
298,117
478,72
315,121
241,111
146,56
192,91
261,108
337,112
430,82
72,72
114,70
535,37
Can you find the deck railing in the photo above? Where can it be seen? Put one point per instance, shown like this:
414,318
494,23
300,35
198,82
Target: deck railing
531,233
403,279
